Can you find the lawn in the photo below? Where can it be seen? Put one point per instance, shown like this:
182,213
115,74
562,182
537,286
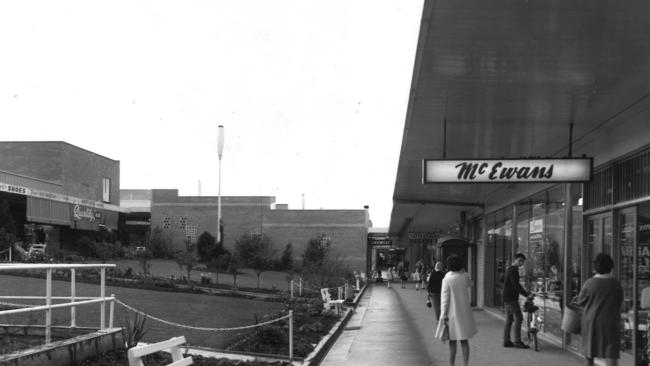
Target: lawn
246,278
189,309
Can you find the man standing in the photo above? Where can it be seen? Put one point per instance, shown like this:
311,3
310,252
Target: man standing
511,291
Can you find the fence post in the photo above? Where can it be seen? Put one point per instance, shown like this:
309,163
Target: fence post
102,294
292,289
290,335
111,311
73,293
300,286
48,302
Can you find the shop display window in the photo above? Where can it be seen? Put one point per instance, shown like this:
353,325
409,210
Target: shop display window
626,224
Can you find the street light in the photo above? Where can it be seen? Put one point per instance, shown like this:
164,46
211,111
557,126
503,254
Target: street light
220,151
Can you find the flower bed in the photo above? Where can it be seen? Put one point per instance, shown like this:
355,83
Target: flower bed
119,358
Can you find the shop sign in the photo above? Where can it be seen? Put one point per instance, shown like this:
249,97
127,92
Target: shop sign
536,229
4,187
13,189
507,170
85,213
423,236
380,241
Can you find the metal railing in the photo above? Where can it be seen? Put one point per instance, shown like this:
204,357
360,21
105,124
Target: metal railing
74,300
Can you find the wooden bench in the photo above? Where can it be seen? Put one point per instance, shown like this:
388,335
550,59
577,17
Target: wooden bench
328,303
173,345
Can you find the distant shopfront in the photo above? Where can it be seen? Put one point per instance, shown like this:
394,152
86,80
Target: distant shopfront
42,216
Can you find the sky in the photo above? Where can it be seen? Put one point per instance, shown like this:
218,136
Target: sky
312,94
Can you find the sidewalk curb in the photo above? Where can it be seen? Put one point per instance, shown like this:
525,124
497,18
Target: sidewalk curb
325,344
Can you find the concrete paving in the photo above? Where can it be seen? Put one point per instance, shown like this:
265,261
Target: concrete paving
394,327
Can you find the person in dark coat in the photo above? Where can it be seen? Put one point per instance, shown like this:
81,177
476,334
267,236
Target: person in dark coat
434,287
602,297
511,291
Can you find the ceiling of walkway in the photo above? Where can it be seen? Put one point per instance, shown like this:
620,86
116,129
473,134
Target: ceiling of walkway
509,77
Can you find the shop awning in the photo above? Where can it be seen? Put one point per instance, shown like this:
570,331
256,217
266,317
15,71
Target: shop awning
505,79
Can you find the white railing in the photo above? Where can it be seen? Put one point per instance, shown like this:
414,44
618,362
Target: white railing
74,301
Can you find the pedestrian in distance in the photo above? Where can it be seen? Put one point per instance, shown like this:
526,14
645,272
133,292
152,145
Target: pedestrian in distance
417,275
511,291
434,287
426,271
403,275
602,297
456,310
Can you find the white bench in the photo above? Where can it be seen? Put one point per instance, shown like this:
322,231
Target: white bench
173,345
328,303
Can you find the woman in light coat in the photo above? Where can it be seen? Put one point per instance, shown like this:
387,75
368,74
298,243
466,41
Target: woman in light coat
456,310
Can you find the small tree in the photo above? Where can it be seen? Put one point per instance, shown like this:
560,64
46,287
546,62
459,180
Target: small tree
187,258
233,268
103,251
6,219
144,257
256,252
287,257
206,246
219,262
158,244
315,252
7,239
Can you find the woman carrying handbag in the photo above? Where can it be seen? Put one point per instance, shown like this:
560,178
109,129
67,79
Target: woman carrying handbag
601,297
456,321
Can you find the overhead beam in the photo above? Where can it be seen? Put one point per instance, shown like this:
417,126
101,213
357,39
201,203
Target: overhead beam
437,202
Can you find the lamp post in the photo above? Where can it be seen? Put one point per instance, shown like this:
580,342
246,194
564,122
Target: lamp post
220,152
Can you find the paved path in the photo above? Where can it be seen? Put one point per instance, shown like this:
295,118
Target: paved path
394,327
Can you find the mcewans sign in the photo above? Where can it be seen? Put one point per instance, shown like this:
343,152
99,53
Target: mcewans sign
507,170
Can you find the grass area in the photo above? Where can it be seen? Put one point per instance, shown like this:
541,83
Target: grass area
184,308
246,278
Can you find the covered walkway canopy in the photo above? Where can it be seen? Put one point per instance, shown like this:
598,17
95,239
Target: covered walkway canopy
505,79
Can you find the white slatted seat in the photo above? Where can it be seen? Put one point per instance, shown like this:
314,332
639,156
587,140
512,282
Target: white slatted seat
173,345
330,304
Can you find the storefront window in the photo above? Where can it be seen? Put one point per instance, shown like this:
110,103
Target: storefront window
626,241
535,266
574,275
643,280
553,258
499,252
491,280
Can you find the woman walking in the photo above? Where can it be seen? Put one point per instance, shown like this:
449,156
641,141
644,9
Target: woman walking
455,309
601,296
435,287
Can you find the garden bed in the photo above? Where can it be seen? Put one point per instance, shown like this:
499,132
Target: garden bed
119,358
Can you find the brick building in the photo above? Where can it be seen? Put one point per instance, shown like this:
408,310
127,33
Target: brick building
58,191
180,216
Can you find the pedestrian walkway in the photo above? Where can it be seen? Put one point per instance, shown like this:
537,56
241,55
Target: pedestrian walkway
394,327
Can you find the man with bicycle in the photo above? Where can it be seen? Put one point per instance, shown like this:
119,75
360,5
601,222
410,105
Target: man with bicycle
511,291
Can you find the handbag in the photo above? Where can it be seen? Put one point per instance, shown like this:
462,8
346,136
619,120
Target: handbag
445,333
571,318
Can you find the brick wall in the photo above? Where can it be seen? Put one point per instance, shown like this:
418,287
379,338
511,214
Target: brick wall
41,160
79,171
244,215
83,172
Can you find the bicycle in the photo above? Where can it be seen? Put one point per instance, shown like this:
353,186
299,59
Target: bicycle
533,320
